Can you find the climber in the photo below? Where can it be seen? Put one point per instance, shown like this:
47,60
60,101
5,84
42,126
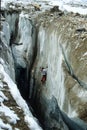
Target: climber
44,74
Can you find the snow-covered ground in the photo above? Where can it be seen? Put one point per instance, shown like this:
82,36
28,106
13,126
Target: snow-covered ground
7,112
76,6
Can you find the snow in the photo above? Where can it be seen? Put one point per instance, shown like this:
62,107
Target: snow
76,6
33,125
9,113
2,97
75,9
1,85
31,121
4,126
4,110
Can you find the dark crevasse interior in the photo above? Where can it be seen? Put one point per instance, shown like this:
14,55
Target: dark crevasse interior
21,80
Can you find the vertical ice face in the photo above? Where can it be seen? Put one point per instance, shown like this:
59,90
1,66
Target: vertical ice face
51,55
23,52
6,31
11,19
25,33
5,51
55,73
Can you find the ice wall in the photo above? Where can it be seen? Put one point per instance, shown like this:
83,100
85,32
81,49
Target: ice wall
56,49
5,51
51,56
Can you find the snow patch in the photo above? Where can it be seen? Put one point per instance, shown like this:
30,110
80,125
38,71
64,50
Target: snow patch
11,116
4,126
2,97
33,125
